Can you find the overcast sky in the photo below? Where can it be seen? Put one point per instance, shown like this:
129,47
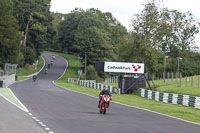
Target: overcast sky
123,10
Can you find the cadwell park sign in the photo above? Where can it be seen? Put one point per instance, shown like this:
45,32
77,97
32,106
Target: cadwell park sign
123,67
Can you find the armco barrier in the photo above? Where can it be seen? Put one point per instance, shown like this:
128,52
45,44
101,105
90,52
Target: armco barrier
7,80
92,84
185,100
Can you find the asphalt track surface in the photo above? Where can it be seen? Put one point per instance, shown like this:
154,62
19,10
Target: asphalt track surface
14,120
65,111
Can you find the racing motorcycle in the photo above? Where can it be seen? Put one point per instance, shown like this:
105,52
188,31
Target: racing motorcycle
105,102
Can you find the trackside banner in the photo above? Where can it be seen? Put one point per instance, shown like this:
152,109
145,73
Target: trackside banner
123,67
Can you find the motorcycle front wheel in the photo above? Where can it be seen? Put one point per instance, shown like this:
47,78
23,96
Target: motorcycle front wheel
104,109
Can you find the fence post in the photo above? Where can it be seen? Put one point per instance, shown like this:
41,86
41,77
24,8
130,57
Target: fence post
176,77
186,79
163,76
198,82
172,77
180,83
192,82
168,76
152,77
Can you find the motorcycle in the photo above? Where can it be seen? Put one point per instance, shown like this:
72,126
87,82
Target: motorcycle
34,78
105,103
54,57
46,71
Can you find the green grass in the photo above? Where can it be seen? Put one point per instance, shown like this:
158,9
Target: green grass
180,111
174,87
7,94
111,84
25,71
21,78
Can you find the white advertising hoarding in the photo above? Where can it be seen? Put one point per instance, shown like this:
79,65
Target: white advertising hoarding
123,67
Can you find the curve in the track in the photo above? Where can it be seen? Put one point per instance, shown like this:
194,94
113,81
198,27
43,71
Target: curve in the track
65,111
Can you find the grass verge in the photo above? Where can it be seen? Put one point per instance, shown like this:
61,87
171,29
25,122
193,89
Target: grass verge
179,111
9,96
27,70
172,87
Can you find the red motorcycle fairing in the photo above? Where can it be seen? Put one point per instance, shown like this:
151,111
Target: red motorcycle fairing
105,102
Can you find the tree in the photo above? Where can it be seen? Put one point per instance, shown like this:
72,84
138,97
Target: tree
91,31
157,32
36,26
9,35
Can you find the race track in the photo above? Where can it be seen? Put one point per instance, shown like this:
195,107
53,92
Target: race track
65,111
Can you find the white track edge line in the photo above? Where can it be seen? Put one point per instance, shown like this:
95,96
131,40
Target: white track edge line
65,68
25,109
13,103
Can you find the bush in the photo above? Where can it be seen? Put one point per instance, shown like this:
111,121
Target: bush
92,74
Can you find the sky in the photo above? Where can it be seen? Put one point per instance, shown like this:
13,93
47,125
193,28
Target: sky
123,10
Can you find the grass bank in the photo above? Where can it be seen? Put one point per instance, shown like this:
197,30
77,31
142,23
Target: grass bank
172,86
28,70
183,112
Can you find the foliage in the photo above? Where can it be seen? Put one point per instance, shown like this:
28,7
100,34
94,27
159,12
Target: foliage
9,35
158,32
92,32
92,74
36,27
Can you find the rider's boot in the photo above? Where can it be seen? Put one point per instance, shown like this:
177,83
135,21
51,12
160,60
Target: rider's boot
99,104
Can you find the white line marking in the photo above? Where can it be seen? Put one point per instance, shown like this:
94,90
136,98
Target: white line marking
43,125
13,103
37,120
30,114
25,109
47,129
51,132
40,123
64,70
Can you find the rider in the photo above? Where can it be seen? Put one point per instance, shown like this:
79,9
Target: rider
46,70
51,63
103,92
34,77
53,57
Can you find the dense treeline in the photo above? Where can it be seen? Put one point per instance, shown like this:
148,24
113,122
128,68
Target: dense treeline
155,33
26,29
92,32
